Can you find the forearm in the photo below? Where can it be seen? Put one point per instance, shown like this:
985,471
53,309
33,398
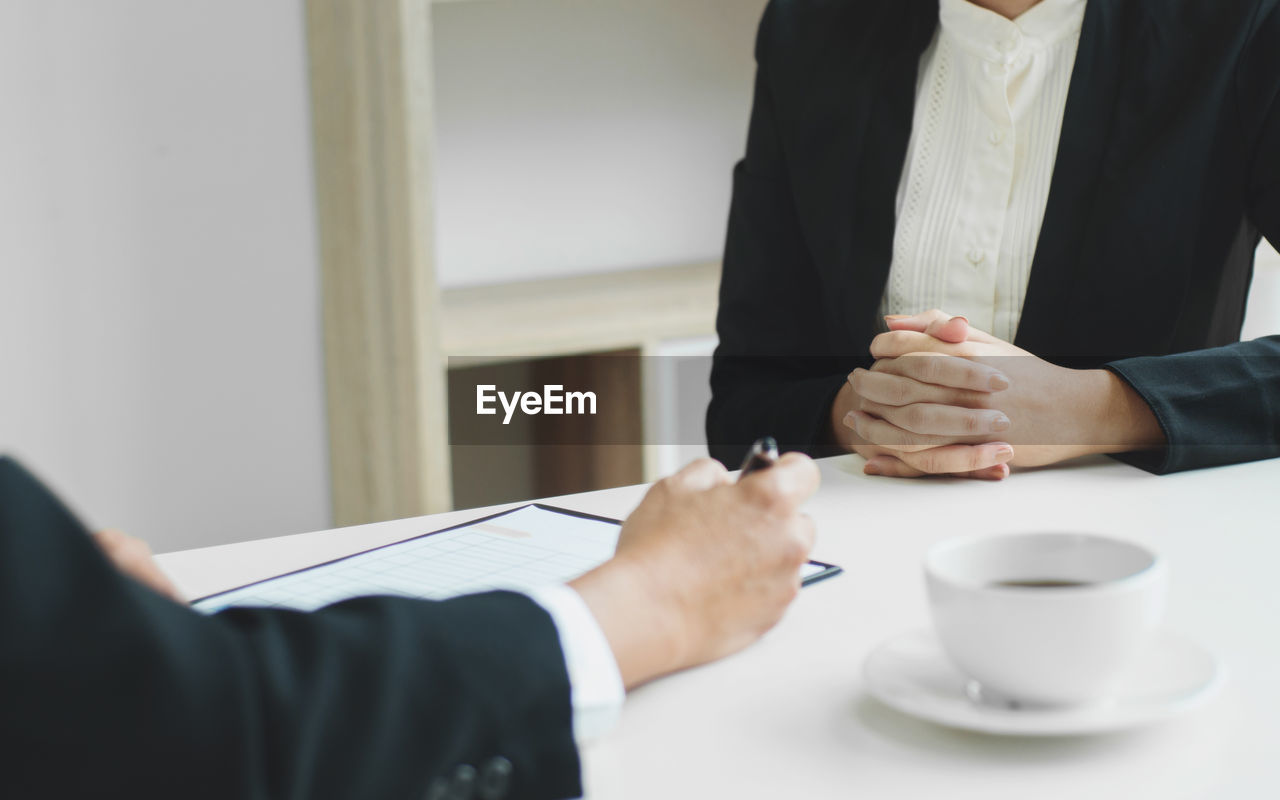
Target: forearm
1215,406
642,632
1113,417
391,697
375,698
1047,413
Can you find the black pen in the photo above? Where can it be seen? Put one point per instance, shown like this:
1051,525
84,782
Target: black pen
763,454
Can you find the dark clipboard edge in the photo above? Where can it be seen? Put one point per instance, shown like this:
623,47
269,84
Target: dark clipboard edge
375,549
828,571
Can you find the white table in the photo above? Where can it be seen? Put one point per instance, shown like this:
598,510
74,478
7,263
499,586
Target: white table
788,718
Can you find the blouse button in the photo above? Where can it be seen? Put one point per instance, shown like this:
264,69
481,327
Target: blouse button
976,256
996,137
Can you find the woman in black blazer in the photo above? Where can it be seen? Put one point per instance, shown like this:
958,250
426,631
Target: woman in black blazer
1166,173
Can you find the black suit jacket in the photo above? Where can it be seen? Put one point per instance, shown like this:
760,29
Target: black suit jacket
1167,170
109,690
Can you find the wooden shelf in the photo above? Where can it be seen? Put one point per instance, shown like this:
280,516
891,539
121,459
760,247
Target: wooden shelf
580,314
388,328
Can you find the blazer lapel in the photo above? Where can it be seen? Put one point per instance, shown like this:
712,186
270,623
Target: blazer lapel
856,127
1060,269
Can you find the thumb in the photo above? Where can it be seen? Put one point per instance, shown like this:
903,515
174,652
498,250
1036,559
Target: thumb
787,483
935,323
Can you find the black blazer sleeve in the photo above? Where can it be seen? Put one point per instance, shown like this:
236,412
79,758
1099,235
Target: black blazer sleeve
766,378
1222,406
109,690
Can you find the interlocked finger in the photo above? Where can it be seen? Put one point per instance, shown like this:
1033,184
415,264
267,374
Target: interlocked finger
881,385
898,343
959,458
944,370
885,434
894,467
941,420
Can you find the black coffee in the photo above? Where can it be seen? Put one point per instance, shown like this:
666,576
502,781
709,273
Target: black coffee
1047,583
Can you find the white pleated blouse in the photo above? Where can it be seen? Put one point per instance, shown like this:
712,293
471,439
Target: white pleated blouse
989,106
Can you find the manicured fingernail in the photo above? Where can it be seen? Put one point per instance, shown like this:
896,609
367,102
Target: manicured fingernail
850,420
871,469
1000,423
1004,451
897,316
999,383
960,316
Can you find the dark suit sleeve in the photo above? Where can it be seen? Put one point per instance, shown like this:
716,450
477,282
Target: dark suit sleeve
1219,406
770,375
109,690
1222,406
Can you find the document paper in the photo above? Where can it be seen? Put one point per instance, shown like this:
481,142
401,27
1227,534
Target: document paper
520,549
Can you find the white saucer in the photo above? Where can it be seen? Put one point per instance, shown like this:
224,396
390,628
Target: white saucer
912,674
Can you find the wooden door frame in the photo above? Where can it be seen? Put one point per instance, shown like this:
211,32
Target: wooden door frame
371,98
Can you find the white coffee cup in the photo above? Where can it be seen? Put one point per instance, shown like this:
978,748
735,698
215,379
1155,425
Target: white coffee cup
1044,645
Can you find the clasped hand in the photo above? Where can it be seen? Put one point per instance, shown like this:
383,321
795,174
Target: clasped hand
946,399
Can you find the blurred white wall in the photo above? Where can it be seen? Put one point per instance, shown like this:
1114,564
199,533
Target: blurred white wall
587,135
160,352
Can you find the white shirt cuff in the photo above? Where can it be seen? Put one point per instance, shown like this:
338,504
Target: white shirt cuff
595,684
